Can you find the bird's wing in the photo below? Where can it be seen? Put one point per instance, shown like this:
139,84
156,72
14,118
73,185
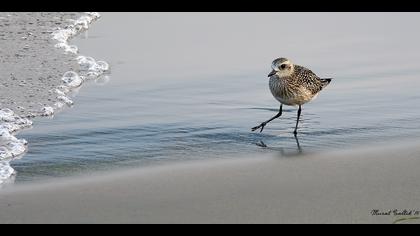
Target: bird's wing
325,82
305,73
309,79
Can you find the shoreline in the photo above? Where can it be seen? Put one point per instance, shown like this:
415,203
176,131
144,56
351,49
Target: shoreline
182,124
324,188
38,88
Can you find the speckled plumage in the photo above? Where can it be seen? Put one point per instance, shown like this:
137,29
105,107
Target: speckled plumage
297,89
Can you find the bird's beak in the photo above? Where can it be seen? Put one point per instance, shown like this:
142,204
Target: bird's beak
273,72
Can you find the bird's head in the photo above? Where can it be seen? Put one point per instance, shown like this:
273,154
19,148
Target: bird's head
282,67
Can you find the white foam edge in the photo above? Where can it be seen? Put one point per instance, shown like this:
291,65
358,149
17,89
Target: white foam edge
89,68
12,147
63,35
6,173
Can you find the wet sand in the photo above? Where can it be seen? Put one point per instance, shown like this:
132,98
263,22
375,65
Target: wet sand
34,58
31,68
339,187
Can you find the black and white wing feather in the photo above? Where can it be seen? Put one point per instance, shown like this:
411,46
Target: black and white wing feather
309,79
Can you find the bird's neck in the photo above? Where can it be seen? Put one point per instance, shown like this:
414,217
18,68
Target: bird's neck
285,74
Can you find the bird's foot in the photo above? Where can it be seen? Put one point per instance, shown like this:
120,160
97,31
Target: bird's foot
262,125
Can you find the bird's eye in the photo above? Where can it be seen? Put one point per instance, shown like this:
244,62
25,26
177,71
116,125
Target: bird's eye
283,66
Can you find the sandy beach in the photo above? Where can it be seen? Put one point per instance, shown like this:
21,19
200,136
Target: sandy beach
160,130
39,73
30,65
330,188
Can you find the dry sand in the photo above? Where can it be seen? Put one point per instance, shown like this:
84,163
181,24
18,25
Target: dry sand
340,187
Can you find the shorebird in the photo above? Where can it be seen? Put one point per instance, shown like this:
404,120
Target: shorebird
292,85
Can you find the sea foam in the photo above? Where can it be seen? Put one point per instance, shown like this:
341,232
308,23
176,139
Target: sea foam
77,26
6,172
11,147
89,68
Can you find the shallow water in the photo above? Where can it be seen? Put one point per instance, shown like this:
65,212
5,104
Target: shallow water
190,86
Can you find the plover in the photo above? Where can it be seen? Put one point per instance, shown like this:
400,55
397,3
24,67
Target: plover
292,85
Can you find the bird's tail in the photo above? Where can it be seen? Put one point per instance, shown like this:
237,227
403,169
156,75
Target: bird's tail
325,82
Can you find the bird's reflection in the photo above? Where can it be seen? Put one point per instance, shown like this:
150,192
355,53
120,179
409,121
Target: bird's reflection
298,151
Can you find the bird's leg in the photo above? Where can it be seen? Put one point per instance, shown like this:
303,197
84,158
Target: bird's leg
262,125
297,121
